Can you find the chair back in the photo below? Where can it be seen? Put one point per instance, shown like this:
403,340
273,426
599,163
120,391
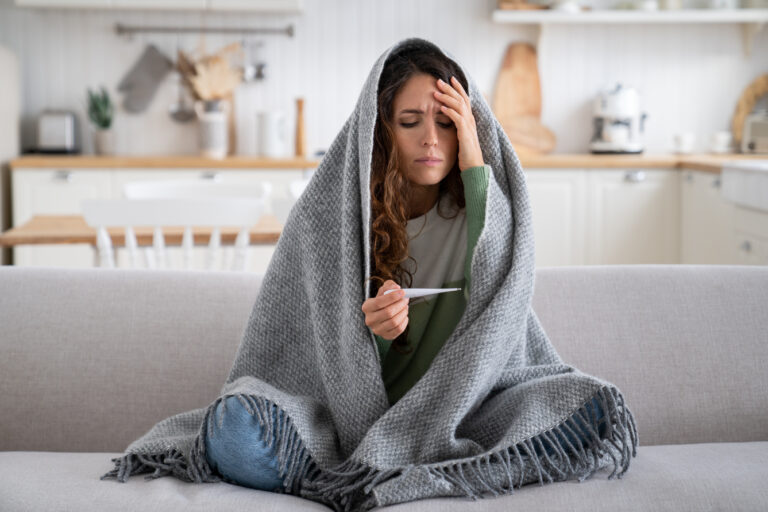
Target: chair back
164,204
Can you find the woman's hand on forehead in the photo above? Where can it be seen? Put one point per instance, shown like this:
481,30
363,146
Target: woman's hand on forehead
457,106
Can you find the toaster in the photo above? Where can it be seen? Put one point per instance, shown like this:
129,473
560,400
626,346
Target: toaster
755,138
57,132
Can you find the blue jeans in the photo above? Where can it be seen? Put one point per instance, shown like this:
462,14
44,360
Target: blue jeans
594,409
236,451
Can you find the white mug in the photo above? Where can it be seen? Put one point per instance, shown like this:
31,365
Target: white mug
683,142
270,133
721,142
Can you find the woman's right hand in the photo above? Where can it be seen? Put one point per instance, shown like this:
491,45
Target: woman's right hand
387,315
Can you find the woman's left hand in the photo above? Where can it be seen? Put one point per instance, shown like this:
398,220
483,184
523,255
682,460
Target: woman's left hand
458,108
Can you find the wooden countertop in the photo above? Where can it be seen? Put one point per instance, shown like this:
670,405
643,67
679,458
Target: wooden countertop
701,162
160,161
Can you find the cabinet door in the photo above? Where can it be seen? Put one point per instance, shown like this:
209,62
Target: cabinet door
706,224
558,204
55,192
633,216
749,248
750,235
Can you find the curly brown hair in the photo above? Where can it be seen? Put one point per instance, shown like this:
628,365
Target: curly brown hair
390,187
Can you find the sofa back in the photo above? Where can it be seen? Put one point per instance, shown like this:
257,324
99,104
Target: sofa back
92,358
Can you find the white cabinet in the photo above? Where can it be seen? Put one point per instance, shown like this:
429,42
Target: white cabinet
604,217
55,192
707,223
633,216
558,199
750,236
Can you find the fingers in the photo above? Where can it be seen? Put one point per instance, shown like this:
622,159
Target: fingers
388,285
457,85
400,321
382,301
381,318
449,96
454,90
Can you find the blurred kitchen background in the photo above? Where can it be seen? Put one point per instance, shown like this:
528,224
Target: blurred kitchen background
642,125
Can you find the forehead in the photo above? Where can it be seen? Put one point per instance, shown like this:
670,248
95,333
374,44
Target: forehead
417,93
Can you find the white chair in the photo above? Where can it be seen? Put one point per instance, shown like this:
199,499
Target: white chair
162,189
173,203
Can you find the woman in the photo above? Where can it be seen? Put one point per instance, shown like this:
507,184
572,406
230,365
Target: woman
428,189
428,197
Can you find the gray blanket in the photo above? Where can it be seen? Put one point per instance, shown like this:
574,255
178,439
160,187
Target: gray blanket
476,424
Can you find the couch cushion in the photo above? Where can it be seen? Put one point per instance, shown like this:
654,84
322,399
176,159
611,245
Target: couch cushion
691,477
686,344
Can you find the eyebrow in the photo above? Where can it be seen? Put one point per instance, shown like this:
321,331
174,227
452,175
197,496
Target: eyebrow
415,111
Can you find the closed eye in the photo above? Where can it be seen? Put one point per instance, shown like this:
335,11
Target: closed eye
411,125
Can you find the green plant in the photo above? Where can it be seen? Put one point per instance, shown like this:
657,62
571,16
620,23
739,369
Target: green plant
100,108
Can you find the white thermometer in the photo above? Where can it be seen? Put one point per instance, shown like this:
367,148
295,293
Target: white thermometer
412,293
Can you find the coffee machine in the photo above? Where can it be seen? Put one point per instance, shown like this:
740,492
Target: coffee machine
618,123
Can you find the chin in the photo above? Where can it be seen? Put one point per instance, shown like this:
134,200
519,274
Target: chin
427,177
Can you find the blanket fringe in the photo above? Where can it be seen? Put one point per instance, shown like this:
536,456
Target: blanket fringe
294,462
348,486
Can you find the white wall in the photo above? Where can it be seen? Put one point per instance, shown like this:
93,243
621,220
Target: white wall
689,76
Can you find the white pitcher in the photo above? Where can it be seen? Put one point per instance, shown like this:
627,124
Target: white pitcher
270,132
214,137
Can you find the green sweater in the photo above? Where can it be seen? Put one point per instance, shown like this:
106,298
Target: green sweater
433,241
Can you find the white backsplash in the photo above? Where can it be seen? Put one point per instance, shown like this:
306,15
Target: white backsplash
689,76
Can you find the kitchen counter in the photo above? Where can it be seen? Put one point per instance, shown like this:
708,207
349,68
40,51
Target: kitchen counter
702,162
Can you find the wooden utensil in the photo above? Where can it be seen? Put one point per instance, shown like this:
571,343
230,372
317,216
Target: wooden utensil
301,144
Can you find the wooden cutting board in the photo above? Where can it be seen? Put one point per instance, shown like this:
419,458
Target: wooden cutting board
517,101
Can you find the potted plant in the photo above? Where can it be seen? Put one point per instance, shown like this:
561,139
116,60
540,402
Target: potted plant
100,112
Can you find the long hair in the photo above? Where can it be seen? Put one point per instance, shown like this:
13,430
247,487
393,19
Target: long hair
390,187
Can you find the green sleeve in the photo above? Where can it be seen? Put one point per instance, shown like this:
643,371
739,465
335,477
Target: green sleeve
475,181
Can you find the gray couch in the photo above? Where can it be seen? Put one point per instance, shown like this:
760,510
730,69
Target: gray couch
92,358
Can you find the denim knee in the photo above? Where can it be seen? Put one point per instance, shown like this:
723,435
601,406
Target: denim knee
236,450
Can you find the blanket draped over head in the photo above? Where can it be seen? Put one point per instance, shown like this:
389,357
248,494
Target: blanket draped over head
477,422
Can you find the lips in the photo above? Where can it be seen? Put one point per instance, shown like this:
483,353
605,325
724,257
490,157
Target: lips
429,160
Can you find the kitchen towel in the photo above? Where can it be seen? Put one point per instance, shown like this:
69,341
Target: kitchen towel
494,411
141,82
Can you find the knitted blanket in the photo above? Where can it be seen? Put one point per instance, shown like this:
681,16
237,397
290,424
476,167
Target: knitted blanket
497,409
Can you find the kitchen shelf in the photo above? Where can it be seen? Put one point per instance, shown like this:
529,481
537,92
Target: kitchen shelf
751,20
263,6
634,16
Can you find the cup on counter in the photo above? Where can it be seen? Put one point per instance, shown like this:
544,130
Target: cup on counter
721,142
682,143
270,128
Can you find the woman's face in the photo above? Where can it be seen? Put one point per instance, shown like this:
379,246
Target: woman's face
423,131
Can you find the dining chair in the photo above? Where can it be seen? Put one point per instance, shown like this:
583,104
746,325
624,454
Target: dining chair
187,204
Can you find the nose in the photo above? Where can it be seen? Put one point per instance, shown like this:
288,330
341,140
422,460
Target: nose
430,134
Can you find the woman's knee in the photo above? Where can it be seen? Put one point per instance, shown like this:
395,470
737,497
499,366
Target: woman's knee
235,448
